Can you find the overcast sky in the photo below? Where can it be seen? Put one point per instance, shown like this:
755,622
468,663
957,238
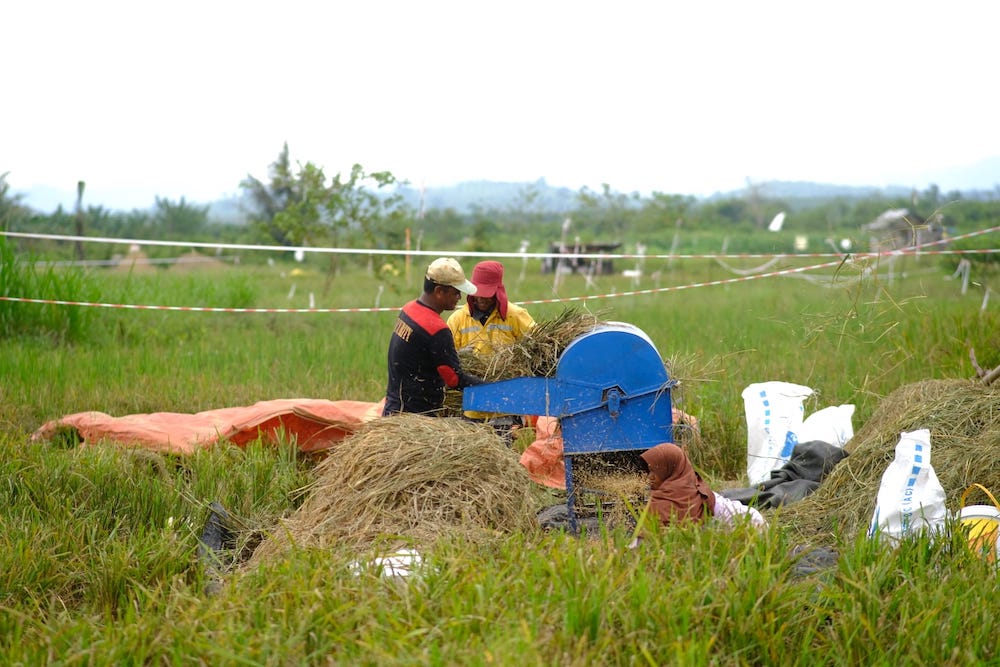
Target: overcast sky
186,98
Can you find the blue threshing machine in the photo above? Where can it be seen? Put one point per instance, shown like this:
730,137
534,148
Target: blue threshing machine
610,392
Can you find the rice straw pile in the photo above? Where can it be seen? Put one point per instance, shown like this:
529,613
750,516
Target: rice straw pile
963,417
410,479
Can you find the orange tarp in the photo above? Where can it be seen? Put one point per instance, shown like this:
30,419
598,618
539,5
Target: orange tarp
313,424
543,459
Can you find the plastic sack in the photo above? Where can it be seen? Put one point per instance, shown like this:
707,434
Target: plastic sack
831,424
774,414
910,498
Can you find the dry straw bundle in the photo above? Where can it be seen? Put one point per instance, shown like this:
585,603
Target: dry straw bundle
963,417
535,354
410,479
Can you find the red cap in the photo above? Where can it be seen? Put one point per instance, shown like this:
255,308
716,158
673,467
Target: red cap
488,279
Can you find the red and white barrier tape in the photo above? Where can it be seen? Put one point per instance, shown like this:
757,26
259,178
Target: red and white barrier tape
610,295
916,250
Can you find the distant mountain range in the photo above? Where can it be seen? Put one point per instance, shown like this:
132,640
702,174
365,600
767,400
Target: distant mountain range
982,179
538,196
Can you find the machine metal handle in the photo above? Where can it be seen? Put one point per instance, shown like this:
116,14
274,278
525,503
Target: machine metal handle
614,402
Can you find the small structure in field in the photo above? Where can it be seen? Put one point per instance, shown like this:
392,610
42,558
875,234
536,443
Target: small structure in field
900,228
584,265
135,261
195,261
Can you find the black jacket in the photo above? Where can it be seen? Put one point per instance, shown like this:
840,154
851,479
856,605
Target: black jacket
422,362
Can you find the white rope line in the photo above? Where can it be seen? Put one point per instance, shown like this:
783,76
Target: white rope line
860,258
918,249
746,272
184,259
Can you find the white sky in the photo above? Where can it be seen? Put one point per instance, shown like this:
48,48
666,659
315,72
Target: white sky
185,98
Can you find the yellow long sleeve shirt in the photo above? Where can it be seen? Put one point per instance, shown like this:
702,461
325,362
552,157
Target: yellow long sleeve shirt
482,338
469,332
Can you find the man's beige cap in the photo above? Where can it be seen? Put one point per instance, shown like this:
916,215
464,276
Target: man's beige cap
447,271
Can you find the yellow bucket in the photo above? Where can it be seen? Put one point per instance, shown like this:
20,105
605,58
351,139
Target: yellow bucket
982,525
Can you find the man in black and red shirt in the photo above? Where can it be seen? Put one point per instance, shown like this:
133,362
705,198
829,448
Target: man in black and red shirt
422,356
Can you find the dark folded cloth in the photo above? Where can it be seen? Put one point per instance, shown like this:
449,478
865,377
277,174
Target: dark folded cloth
801,475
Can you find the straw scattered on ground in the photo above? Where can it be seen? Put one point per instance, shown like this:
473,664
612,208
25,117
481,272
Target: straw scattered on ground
407,480
963,417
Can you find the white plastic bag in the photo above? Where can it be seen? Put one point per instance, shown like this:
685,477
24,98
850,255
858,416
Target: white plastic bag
831,424
774,414
910,497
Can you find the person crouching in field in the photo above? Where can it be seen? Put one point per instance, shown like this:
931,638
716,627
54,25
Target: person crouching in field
678,493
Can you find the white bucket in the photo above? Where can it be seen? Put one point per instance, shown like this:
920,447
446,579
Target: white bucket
982,524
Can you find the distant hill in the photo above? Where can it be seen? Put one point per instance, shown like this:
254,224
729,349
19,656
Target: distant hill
805,190
536,196
471,195
227,211
982,176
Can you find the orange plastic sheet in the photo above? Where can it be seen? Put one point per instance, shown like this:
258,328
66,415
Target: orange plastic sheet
313,424
543,459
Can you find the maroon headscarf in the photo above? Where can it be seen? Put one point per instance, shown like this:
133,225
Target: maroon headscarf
488,279
683,494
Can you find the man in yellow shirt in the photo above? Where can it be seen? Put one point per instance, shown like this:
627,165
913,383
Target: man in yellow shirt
488,319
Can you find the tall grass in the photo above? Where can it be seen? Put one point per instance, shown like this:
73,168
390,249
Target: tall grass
99,555
124,588
87,527
19,277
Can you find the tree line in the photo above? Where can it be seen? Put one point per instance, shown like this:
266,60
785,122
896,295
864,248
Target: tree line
299,204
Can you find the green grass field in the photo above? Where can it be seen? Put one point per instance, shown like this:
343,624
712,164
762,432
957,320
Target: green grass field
99,546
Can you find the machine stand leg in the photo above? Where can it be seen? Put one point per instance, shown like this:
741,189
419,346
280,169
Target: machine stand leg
570,496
